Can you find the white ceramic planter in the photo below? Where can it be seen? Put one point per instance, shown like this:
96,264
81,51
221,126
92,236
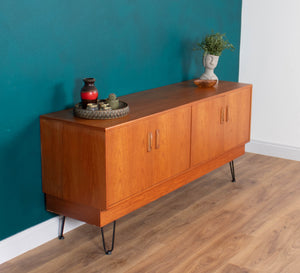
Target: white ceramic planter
210,62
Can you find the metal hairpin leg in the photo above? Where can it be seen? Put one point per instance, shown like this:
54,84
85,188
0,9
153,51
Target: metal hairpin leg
109,251
231,164
61,227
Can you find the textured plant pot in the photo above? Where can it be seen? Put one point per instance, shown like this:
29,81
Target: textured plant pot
210,62
114,104
89,92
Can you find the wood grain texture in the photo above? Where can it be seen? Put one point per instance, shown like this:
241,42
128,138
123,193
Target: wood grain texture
207,136
133,162
166,186
153,101
128,160
101,218
210,225
131,168
73,163
77,211
238,118
52,155
220,124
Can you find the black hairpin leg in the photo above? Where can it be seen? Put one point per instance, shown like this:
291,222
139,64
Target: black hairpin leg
61,227
231,164
109,251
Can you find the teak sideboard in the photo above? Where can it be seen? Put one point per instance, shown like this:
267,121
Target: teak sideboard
100,170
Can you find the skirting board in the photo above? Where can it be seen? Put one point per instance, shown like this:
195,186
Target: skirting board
33,237
272,149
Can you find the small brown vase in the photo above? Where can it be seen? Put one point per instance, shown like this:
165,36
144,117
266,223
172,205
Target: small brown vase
89,92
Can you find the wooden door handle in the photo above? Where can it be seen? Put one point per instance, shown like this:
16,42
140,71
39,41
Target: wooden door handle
227,113
149,142
222,116
157,139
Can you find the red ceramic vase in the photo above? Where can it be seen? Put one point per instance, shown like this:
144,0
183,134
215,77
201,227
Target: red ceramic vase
89,92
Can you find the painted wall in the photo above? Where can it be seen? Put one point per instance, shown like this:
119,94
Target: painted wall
47,47
269,58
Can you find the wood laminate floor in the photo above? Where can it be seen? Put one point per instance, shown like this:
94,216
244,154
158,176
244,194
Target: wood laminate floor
210,225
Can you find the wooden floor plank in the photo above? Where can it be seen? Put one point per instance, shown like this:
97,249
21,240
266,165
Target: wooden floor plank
210,225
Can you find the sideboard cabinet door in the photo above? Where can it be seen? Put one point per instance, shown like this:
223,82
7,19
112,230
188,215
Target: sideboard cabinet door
145,152
237,118
220,124
207,130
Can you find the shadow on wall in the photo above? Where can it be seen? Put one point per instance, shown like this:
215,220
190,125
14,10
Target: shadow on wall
198,56
21,161
190,56
59,96
78,83
22,181
59,99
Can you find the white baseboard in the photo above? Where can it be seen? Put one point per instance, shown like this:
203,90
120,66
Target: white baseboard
33,237
271,149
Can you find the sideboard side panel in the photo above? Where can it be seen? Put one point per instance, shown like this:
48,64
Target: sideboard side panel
73,162
51,156
84,166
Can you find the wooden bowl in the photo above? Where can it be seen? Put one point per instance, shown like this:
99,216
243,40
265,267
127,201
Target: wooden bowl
205,83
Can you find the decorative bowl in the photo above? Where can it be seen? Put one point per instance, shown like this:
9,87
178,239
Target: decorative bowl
205,83
122,111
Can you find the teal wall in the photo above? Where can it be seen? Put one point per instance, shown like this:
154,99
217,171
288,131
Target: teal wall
47,47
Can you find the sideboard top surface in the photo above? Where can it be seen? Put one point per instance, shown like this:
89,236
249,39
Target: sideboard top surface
152,101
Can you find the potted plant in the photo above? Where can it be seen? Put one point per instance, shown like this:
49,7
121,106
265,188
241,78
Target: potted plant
213,45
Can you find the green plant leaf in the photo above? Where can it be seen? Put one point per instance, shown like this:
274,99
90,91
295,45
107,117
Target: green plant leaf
214,44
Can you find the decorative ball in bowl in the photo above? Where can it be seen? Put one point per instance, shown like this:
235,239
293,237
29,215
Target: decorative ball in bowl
205,83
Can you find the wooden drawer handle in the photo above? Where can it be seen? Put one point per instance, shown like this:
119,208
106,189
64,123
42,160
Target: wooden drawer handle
222,116
227,113
157,140
149,142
